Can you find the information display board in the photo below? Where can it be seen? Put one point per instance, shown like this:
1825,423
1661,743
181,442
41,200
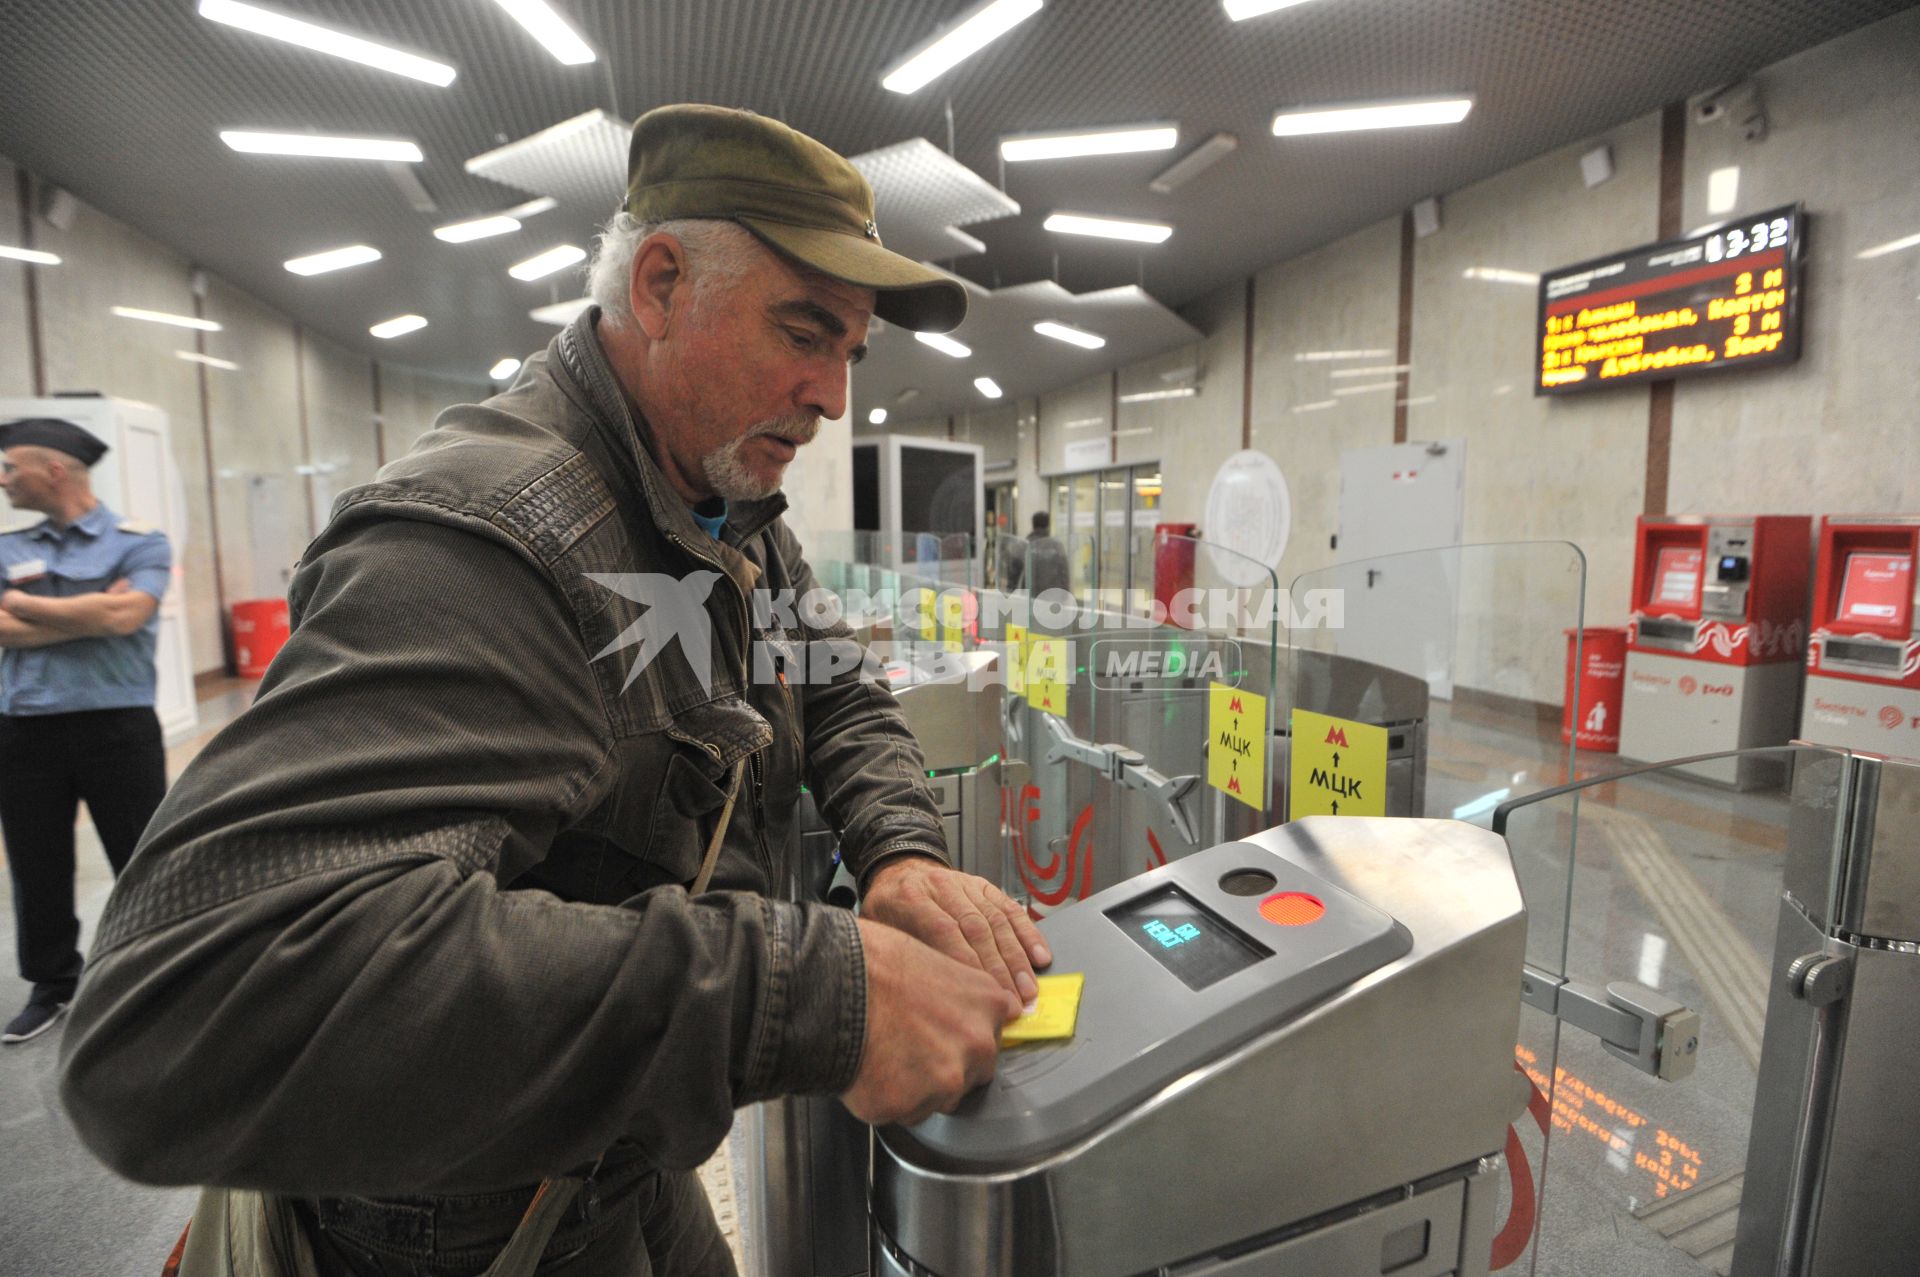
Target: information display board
1726,298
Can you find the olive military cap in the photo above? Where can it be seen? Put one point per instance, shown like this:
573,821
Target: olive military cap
50,432
797,196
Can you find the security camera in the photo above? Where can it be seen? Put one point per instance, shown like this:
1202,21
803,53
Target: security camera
1737,104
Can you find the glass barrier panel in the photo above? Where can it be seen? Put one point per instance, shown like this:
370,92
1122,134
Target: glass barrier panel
1676,886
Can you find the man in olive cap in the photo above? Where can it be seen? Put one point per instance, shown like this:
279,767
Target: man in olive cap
416,933
78,625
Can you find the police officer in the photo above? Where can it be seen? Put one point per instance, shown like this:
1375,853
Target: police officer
77,633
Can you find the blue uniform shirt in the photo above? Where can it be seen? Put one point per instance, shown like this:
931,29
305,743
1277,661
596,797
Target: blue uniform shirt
85,557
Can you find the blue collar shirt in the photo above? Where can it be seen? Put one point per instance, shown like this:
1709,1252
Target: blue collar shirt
85,557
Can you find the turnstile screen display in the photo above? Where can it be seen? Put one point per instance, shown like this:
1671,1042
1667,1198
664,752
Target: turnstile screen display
1186,938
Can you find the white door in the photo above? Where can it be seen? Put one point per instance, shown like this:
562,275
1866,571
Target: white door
1401,611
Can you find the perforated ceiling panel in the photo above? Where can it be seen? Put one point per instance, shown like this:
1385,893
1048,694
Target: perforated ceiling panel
922,196
582,161
121,102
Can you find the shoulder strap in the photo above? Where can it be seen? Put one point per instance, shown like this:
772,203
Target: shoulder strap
535,1229
712,857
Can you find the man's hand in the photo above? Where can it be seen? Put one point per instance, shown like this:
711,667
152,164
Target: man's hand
963,916
933,1030
118,610
10,601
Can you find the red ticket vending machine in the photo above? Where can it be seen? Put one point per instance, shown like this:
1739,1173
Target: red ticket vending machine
1863,663
1713,654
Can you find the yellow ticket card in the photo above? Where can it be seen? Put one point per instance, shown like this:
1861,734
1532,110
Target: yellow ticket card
1053,1014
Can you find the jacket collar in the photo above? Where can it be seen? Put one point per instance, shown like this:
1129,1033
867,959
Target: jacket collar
91,524
577,350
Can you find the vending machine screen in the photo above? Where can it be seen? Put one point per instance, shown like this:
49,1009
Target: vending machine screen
1676,578
1877,591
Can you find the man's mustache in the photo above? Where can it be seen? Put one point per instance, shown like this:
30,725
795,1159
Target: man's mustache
801,430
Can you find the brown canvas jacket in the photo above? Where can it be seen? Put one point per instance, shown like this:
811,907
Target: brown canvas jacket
415,923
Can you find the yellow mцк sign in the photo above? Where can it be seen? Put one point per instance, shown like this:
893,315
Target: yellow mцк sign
1339,767
1237,744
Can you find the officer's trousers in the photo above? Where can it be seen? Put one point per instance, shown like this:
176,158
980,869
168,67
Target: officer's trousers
115,761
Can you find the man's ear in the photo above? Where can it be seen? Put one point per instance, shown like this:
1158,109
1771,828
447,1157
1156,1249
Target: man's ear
659,284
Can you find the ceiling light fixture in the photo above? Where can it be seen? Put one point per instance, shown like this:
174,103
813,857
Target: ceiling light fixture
877,417
944,344
1108,228
1079,142
1411,113
333,259
550,29
987,386
1366,390
308,35
979,27
1383,370
318,145
399,326
907,396
1073,336
1194,163
32,255
477,228
1891,246
1318,405
162,317
533,207
1499,275
1147,396
559,314
1241,10
1321,356
195,357
504,369
541,265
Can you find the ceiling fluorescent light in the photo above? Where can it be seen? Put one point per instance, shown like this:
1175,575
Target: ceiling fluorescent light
1325,356
477,228
1241,10
1079,142
1381,370
877,417
533,207
196,358
987,386
1194,163
981,26
1148,396
559,314
1317,405
504,369
907,396
944,344
1377,115
1891,246
333,259
1073,336
398,326
541,265
1366,390
33,255
1499,275
550,29
322,146
1108,228
162,317
1723,189
308,35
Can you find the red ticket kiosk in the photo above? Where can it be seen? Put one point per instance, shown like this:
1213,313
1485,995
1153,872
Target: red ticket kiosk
1863,662
1713,653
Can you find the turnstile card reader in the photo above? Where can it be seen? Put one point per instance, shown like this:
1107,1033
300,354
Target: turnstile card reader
1294,1055
1180,964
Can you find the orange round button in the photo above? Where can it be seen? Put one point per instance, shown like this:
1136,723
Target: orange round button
1291,909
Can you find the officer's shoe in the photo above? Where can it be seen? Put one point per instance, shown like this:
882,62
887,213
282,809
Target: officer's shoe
36,1019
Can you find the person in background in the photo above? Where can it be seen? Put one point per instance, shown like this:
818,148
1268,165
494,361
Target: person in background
77,632
1046,556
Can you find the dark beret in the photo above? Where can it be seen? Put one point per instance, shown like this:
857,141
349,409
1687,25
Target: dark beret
50,432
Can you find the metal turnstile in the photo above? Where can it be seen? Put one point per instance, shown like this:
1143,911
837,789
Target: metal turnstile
1294,1056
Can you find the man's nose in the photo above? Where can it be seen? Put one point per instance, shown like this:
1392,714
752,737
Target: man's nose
826,395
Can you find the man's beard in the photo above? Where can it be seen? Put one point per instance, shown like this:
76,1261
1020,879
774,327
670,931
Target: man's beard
729,473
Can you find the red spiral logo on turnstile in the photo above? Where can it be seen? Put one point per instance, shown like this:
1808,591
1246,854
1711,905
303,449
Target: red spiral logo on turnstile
1512,1240
1052,883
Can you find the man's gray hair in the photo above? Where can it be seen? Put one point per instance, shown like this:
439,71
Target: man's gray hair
718,251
